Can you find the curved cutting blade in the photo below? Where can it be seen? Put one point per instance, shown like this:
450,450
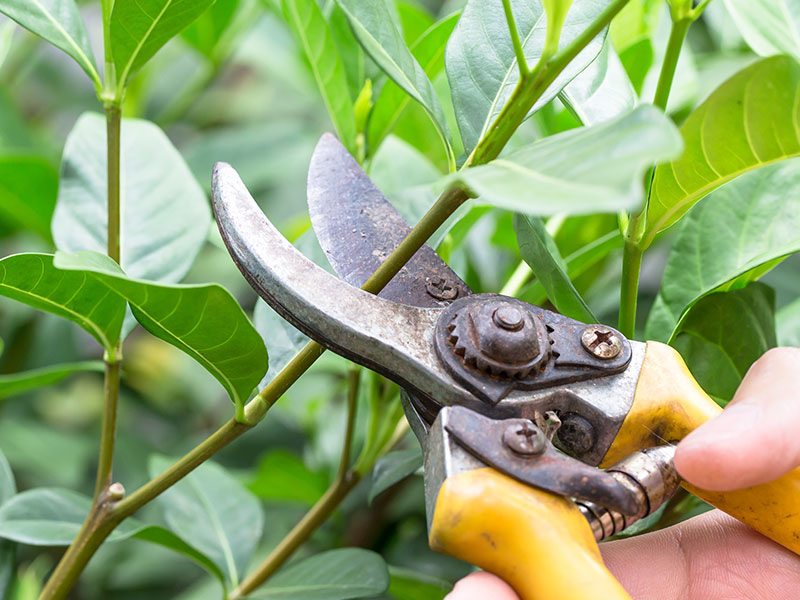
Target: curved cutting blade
358,228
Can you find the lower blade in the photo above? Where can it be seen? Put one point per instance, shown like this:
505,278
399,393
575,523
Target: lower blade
358,228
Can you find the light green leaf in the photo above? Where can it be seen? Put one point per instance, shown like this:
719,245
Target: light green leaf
165,213
28,187
408,584
788,319
414,20
768,26
8,488
207,30
732,237
283,477
214,513
341,574
392,101
750,121
53,517
140,27
17,383
481,65
724,333
587,170
541,253
392,468
59,22
602,91
350,50
376,26
204,321
33,280
319,47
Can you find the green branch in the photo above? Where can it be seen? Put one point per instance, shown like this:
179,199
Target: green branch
512,30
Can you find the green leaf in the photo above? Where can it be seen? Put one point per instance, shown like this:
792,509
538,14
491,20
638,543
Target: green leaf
350,50
207,30
33,280
214,513
17,383
407,584
8,488
28,187
392,468
341,574
587,170
750,121
541,253
724,333
392,101
319,47
376,26
204,321
165,213
481,65
283,477
59,22
732,237
602,91
788,319
284,341
53,517
414,20
768,26
556,12
140,27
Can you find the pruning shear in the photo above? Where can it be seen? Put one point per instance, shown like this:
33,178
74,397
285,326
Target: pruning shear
542,435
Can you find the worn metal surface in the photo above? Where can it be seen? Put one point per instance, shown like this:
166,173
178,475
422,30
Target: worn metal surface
358,228
601,342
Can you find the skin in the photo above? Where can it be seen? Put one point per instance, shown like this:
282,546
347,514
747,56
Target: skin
712,557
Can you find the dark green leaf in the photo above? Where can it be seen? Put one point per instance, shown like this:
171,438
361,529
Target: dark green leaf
724,333
59,22
392,468
207,30
341,574
32,279
730,238
587,170
140,27
28,187
748,122
428,50
541,253
284,477
376,26
482,67
319,47
165,214
17,383
204,321
406,584
768,26
214,513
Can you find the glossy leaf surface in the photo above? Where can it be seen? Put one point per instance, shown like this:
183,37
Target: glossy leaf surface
730,238
482,67
768,26
588,170
204,321
33,280
750,121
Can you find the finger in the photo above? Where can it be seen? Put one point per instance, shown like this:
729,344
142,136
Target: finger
710,557
757,437
482,586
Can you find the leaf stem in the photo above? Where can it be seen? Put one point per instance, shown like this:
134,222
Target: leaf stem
113,126
353,384
677,35
109,423
631,267
518,49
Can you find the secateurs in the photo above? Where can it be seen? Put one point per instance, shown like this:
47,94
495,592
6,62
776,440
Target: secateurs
493,386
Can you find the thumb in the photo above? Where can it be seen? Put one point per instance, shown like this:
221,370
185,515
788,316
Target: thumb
756,439
481,586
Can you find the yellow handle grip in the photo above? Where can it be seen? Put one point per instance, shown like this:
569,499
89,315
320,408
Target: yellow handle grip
538,542
667,405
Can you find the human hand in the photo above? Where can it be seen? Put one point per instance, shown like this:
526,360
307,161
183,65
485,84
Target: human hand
712,557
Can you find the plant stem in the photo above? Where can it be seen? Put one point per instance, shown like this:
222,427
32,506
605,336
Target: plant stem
354,379
533,85
109,423
677,35
113,123
631,266
512,29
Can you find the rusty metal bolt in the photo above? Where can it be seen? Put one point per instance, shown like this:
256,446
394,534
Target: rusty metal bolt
524,438
601,342
576,436
509,317
441,289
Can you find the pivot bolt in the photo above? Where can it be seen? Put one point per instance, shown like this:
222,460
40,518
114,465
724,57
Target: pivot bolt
524,438
441,289
601,342
576,436
509,317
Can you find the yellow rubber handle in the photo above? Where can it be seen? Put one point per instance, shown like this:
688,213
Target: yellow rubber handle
536,541
667,405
